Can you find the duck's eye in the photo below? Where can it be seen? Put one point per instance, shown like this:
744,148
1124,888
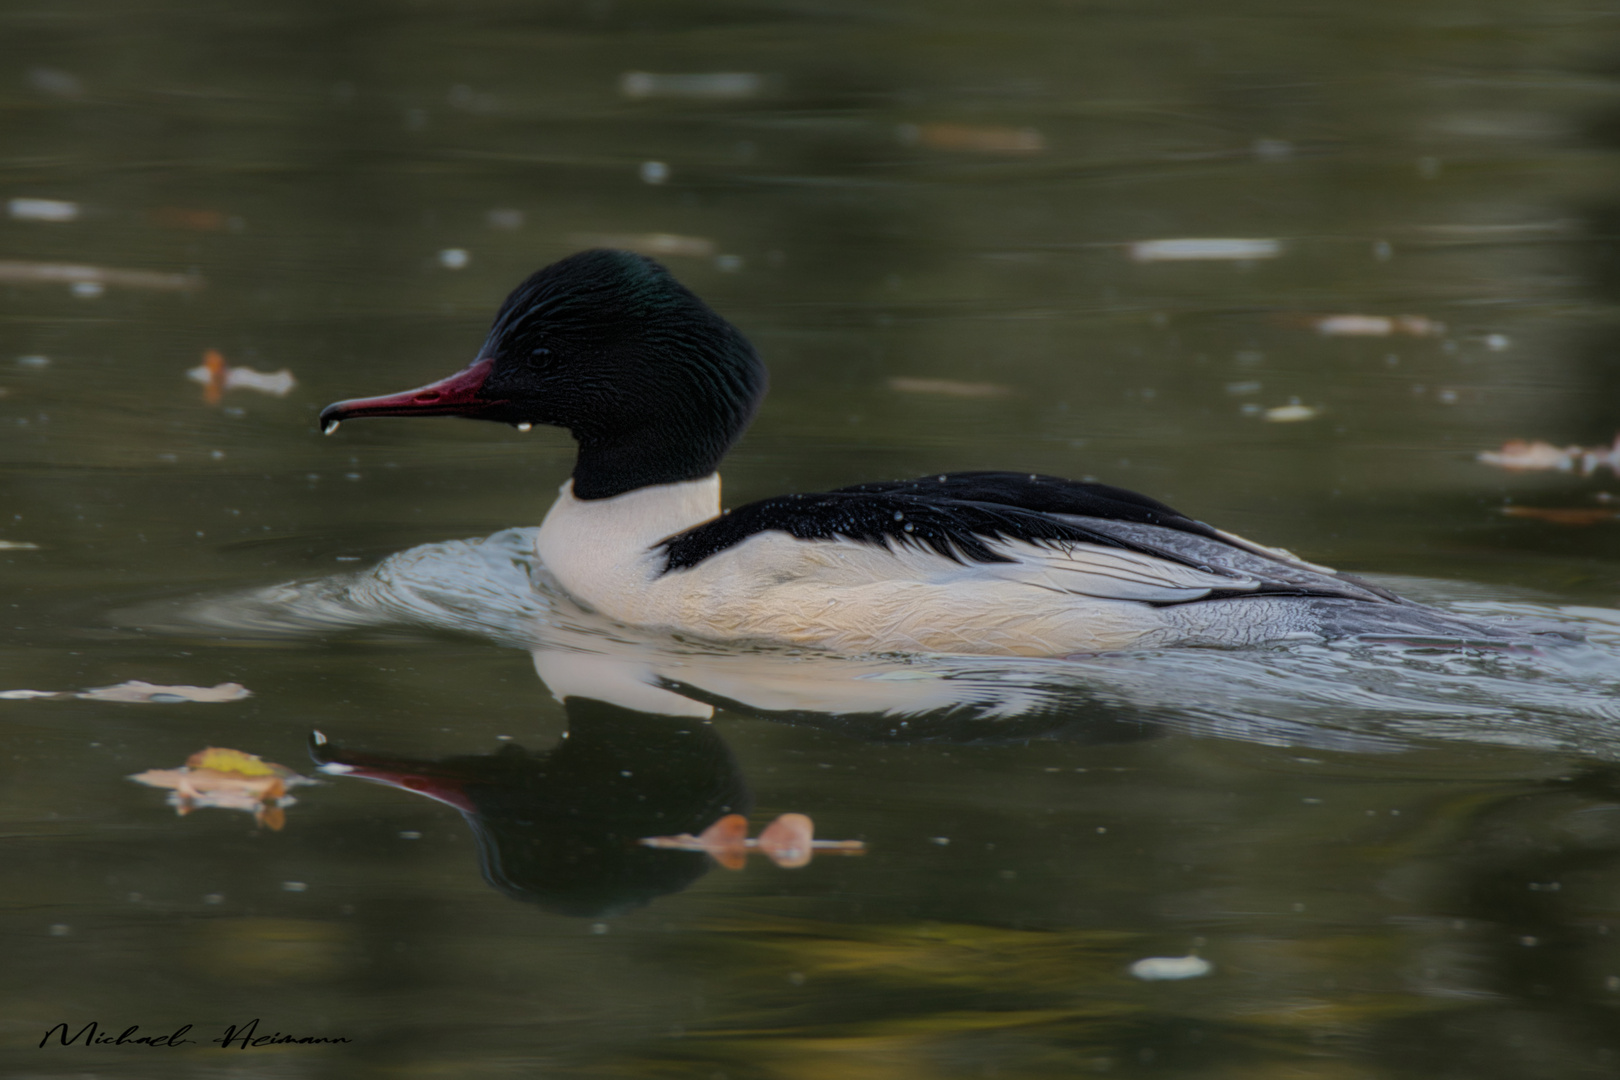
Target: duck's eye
542,351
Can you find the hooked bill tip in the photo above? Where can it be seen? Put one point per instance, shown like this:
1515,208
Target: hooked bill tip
329,426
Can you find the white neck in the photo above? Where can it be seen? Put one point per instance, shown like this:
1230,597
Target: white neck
602,550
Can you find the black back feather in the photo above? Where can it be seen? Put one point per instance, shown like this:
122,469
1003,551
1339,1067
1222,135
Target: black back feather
952,514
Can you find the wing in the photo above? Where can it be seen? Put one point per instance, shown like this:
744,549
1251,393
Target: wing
1149,553
957,530
1042,495
1114,511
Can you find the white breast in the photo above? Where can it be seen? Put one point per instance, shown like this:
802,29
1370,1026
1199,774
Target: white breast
604,551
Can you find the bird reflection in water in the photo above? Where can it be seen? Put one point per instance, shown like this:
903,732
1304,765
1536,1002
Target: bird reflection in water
560,828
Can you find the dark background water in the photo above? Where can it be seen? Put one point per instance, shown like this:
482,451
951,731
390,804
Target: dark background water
878,192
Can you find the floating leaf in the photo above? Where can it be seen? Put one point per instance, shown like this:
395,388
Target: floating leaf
140,692
221,779
1590,515
949,387
726,841
788,841
137,691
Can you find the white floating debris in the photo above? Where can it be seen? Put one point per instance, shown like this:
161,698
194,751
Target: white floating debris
33,361
18,545
454,258
1204,248
654,172
1524,455
87,290
506,218
706,86
245,378
1163,968
1497,342
1292,413
43,209
655,243
278,383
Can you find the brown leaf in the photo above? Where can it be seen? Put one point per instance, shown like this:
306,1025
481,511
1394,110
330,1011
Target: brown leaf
726,841
1589,515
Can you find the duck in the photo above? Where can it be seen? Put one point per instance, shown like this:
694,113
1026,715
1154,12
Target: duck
656,387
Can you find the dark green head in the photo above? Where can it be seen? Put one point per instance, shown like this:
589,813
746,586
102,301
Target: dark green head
652,383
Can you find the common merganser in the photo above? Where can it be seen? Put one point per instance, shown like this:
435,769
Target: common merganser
655,387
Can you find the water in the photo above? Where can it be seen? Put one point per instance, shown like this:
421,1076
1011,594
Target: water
946,228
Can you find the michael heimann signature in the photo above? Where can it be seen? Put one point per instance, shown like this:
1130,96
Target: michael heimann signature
239,1036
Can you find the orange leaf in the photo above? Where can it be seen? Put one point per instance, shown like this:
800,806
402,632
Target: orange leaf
726,841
